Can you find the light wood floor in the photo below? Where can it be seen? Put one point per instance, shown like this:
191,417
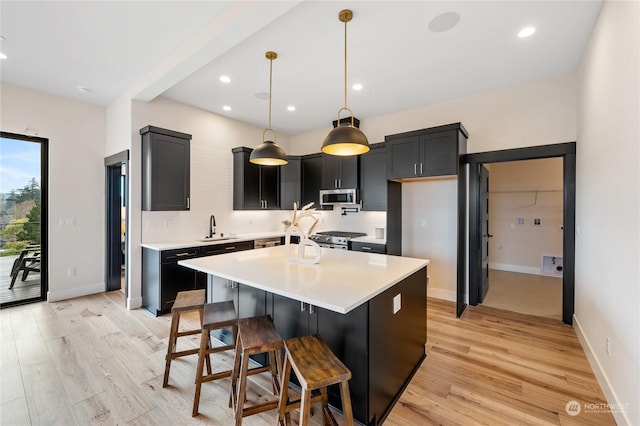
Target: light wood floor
89,361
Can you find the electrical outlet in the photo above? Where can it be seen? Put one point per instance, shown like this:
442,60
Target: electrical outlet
608,346
71,272
397,303
537,221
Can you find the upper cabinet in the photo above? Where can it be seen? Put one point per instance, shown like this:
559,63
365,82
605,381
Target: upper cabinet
428,152
290,182
254,187
339,172
165,169
373,178
311,179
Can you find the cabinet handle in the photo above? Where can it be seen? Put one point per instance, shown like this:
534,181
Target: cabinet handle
339,183
230,248
312,310
365,248
265,204
302,307
415,168
188,202
420,168
183,254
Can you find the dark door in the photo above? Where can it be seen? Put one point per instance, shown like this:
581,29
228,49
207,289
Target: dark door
116,172
311,179
270,187
485,235
115,236
403,158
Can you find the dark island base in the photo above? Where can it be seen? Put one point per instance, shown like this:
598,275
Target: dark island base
382,349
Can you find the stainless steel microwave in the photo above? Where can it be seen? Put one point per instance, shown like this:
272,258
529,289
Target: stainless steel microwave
344,197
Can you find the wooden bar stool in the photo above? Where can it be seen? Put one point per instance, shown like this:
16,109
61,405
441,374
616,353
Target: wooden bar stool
186,301
316,367
255,336
216,316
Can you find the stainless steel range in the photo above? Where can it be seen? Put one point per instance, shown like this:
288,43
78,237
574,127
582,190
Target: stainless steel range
335,239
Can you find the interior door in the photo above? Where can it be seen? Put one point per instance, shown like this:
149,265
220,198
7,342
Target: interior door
484,229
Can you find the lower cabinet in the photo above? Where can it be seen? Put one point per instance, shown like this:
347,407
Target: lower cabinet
368,247
163,278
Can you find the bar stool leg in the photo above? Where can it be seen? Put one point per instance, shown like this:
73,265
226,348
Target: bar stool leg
346,403
242,391
173,337
208,359
235,374
284,418
202,355
305,407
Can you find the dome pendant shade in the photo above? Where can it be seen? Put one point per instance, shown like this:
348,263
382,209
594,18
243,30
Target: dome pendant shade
345,140
268,154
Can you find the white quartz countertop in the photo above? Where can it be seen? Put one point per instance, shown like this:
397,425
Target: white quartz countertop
170,245
342,281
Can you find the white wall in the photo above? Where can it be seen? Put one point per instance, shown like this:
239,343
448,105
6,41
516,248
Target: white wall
525,189
76,133
607,211
536,113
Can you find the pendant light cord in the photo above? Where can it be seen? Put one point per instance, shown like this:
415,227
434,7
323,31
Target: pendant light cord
270,86
345,63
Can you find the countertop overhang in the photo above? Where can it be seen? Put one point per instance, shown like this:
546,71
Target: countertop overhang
172,245
342,281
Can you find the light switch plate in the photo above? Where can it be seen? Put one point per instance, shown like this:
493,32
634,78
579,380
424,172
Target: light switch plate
397,303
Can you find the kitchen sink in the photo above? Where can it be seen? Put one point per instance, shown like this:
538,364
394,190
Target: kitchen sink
212,239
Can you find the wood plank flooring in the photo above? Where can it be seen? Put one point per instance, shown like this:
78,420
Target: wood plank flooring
90,361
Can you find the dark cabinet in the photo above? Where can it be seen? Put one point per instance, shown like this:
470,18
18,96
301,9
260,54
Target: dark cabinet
254,187
311,179
368,247
165,169
373,178
427,152
290,183
163,278
339,172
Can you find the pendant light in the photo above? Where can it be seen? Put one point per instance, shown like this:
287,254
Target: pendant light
345,139
268,153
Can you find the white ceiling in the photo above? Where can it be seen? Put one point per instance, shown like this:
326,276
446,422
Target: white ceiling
179,49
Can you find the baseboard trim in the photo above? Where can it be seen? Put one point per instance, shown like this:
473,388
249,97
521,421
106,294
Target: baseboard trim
515,268
441,294
70,293
610,395
134,303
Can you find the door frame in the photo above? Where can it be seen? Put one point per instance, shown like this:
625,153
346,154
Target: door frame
120,160
44,215
567,151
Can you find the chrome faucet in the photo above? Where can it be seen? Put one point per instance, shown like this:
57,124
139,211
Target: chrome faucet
212,226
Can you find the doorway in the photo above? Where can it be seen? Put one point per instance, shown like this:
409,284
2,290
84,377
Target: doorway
522,236
23,219
566,152
117,223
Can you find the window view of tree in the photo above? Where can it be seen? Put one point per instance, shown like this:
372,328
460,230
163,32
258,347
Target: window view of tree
20,214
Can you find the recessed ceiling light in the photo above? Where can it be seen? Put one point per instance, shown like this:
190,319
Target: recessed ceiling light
526,32
357,86
83,89
3,56
291,108
225,79
226,108
444,22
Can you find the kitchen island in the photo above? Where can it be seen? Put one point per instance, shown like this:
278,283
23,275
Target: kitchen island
369,308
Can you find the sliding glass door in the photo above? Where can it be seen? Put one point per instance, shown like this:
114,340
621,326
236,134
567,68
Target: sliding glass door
23,214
